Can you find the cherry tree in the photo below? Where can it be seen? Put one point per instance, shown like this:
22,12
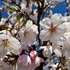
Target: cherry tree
32,37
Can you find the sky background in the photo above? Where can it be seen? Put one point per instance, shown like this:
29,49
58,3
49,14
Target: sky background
59,8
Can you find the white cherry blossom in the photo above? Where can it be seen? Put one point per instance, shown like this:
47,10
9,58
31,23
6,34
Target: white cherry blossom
25,9
9,43
47,50
52,28
28,33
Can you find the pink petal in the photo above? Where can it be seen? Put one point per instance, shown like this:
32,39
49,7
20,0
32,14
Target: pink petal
23,60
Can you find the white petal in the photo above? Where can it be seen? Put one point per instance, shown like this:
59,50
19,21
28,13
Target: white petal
67,26
35,29
57,52
56,18
45,23
37,61
29,24
44,35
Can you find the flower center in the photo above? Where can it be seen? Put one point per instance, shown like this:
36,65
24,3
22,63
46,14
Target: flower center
52,28
5,42
26,32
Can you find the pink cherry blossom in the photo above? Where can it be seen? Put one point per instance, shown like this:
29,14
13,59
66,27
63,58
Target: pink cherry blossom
27,62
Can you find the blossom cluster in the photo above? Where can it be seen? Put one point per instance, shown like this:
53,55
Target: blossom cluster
24,30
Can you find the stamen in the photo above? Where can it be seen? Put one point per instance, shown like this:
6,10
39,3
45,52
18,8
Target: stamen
26,32
5,42
52,28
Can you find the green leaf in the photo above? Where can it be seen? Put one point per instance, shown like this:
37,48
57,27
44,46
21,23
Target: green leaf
63,60
18,16
24,22
10,7
3,27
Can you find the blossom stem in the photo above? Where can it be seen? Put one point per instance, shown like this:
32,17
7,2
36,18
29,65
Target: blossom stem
14,67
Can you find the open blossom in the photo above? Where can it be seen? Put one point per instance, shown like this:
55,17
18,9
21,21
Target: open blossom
47,50
52,28
9,43
25,8
24,60
27,62
28,33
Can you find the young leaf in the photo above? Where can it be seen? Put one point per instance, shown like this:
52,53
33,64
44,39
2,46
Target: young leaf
18,16
3,27
10,7
24,22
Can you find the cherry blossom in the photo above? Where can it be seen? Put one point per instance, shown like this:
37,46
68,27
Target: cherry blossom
9,43
27,62
33,37
28,33
36,60
47,50
25,7
52,28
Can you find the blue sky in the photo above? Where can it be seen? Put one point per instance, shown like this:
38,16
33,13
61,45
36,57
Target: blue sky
59,8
